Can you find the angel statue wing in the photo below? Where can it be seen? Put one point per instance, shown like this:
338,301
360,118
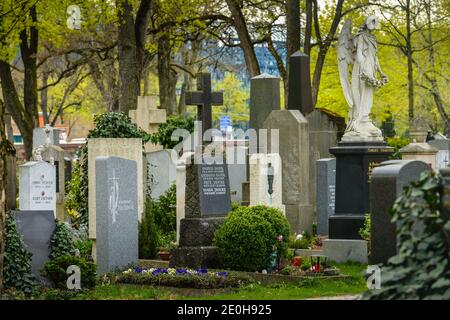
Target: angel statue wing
345,58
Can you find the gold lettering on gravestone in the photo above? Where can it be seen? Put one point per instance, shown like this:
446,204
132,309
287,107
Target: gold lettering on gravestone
370,168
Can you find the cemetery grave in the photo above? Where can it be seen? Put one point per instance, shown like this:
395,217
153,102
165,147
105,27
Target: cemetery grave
226,178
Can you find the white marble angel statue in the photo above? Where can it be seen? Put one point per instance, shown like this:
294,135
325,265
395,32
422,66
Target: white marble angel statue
361,51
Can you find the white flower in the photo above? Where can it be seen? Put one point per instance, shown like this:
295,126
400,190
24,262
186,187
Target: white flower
299,237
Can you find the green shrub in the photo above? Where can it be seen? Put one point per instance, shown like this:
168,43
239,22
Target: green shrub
248,237
365,231
166,240
107,125
84,247
17,260
164,134
148,233
61,242
55,270
421,268
164,211
397,143
305,242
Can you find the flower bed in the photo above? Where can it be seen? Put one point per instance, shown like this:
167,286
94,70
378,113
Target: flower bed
185,278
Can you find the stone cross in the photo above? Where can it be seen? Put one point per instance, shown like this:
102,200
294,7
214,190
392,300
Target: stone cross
204,99
299,94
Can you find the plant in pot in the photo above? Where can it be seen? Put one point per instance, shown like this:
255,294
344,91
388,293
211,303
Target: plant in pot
167,242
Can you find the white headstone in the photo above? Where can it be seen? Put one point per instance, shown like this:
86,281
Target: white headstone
162,172
37,186
265,180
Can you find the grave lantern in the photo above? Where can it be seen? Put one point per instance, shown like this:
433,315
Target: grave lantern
317,260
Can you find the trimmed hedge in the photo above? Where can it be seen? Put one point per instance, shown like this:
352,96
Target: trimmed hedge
249,235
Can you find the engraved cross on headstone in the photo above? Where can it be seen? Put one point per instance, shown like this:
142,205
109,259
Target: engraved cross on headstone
204,98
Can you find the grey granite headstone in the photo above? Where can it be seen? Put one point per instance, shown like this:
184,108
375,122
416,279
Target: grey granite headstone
116,213
36,228
264,98
162,172
326,191
387,183
237,172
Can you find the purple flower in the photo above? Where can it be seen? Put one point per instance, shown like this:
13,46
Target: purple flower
201,271
181,271
138,270
222,274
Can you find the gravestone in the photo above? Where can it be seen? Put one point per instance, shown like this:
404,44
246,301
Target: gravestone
418,149
11,193
181,188
443,154
355,162
51,152
126,148
67,169
204,99
148,117
293,147
266,180
388,181
237,156
207,202
37,186
264,98
36,228
161,171
116,238
326,193
325,130
42,137
300,93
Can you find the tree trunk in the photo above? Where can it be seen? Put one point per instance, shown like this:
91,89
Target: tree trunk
308,28
3,179
434,89
129,68
410,66
244,37
292,38
44,98
166,76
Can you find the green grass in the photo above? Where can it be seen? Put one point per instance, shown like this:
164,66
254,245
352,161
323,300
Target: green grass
310,288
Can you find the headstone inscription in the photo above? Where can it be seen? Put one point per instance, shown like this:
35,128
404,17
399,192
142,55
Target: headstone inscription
37,186
388,181
116,239
36,228
326,193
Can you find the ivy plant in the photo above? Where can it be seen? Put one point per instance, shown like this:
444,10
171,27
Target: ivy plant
164,134
61,242
421,268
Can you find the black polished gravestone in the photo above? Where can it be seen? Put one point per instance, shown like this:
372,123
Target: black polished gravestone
204,99
207,203
299,94
36,228
387,183
354,164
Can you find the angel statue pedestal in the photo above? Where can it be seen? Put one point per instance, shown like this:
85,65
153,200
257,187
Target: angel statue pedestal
362,147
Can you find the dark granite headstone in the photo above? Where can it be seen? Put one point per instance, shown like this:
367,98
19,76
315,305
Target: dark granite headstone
354,165
36,228
207,204
116,213
300,93
326,192
67,169
387,183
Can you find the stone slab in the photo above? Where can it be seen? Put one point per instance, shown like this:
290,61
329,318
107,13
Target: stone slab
344,250
197,232
195,257
326,193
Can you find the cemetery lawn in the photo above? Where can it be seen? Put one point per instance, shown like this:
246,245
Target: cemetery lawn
310,288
